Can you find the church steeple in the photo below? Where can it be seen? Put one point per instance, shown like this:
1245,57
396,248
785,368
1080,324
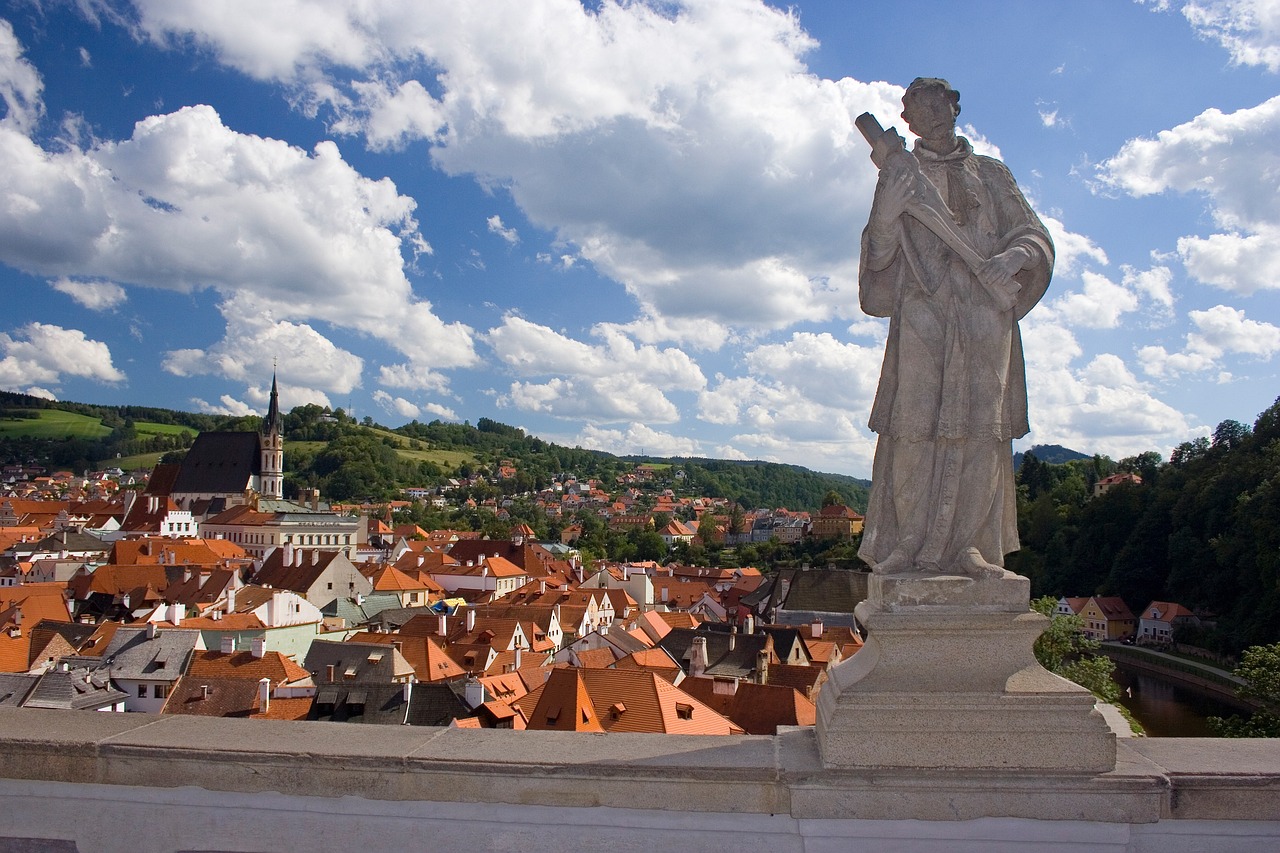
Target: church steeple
272,422
272,444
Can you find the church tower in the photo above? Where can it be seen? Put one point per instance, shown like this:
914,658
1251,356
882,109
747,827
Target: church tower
272,444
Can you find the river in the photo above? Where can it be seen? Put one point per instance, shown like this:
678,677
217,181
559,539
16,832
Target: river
1169,710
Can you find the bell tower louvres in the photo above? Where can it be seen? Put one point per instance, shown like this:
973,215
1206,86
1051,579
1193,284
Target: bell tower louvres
272,477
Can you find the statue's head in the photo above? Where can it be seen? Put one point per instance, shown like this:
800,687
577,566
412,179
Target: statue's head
935,86
930,106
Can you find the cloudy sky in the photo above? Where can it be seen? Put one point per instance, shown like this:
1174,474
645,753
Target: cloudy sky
630,226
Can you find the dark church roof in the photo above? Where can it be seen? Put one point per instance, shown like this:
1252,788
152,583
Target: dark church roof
220,463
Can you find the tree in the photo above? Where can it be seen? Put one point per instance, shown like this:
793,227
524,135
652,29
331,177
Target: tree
832,498
1260,668
1065,650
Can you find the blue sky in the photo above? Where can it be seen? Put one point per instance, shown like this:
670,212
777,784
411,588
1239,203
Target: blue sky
631,226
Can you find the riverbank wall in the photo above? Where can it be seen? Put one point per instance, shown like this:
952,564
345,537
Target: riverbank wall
1207,680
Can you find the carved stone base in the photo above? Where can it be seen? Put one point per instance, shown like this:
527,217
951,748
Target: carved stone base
948,679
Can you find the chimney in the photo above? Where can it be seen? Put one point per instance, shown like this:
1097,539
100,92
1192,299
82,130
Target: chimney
151,630
329,671
315,557
264,695
519,656
231,600
471,619
406,691
733,638
204,691
542,587
259,646
474,693
286,556
443,628
816,629
175,613
725,687
297,557
315,499
228,644
762,667
749,624
698,657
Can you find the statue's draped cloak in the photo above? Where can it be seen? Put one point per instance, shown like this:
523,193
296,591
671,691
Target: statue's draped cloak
953,380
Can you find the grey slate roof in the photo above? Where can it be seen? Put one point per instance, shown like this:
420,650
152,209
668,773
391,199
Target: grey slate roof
78,688
436,705
370,663
72,540
219,463
361,614
16,686
356,702
75,633
132,655
394,618
738,662
826,590
810,591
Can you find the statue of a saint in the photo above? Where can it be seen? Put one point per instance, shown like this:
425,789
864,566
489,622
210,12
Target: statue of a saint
954,256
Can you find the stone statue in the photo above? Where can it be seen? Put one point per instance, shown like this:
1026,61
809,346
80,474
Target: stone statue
954,256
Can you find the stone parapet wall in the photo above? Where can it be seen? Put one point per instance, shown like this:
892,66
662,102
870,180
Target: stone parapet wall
146,783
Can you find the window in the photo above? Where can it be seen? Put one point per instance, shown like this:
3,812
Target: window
160,691
683,711
142,691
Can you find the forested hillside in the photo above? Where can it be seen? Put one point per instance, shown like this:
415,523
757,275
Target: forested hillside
1203,530
360,460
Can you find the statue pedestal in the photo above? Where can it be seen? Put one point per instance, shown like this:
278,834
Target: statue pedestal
947,679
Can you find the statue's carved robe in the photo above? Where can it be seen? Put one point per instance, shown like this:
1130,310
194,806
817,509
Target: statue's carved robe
952,391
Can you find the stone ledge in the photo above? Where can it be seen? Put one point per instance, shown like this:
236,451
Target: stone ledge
1155,779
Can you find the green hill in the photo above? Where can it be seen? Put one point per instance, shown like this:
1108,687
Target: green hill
350,460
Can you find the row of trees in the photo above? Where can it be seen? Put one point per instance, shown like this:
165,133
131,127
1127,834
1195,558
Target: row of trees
1203,529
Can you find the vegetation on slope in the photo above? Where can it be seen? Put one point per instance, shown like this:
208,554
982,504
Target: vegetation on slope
1202,530
349,460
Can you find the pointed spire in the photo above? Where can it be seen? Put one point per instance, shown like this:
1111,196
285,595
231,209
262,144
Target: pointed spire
272,423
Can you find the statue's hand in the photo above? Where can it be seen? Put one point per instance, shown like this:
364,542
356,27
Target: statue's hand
894,192
996,275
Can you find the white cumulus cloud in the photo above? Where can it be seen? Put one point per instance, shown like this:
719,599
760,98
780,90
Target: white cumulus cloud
94,295
256,345
44,353
1219,331
1248,29
187,203
716,185
398,406
20,84
1232,160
